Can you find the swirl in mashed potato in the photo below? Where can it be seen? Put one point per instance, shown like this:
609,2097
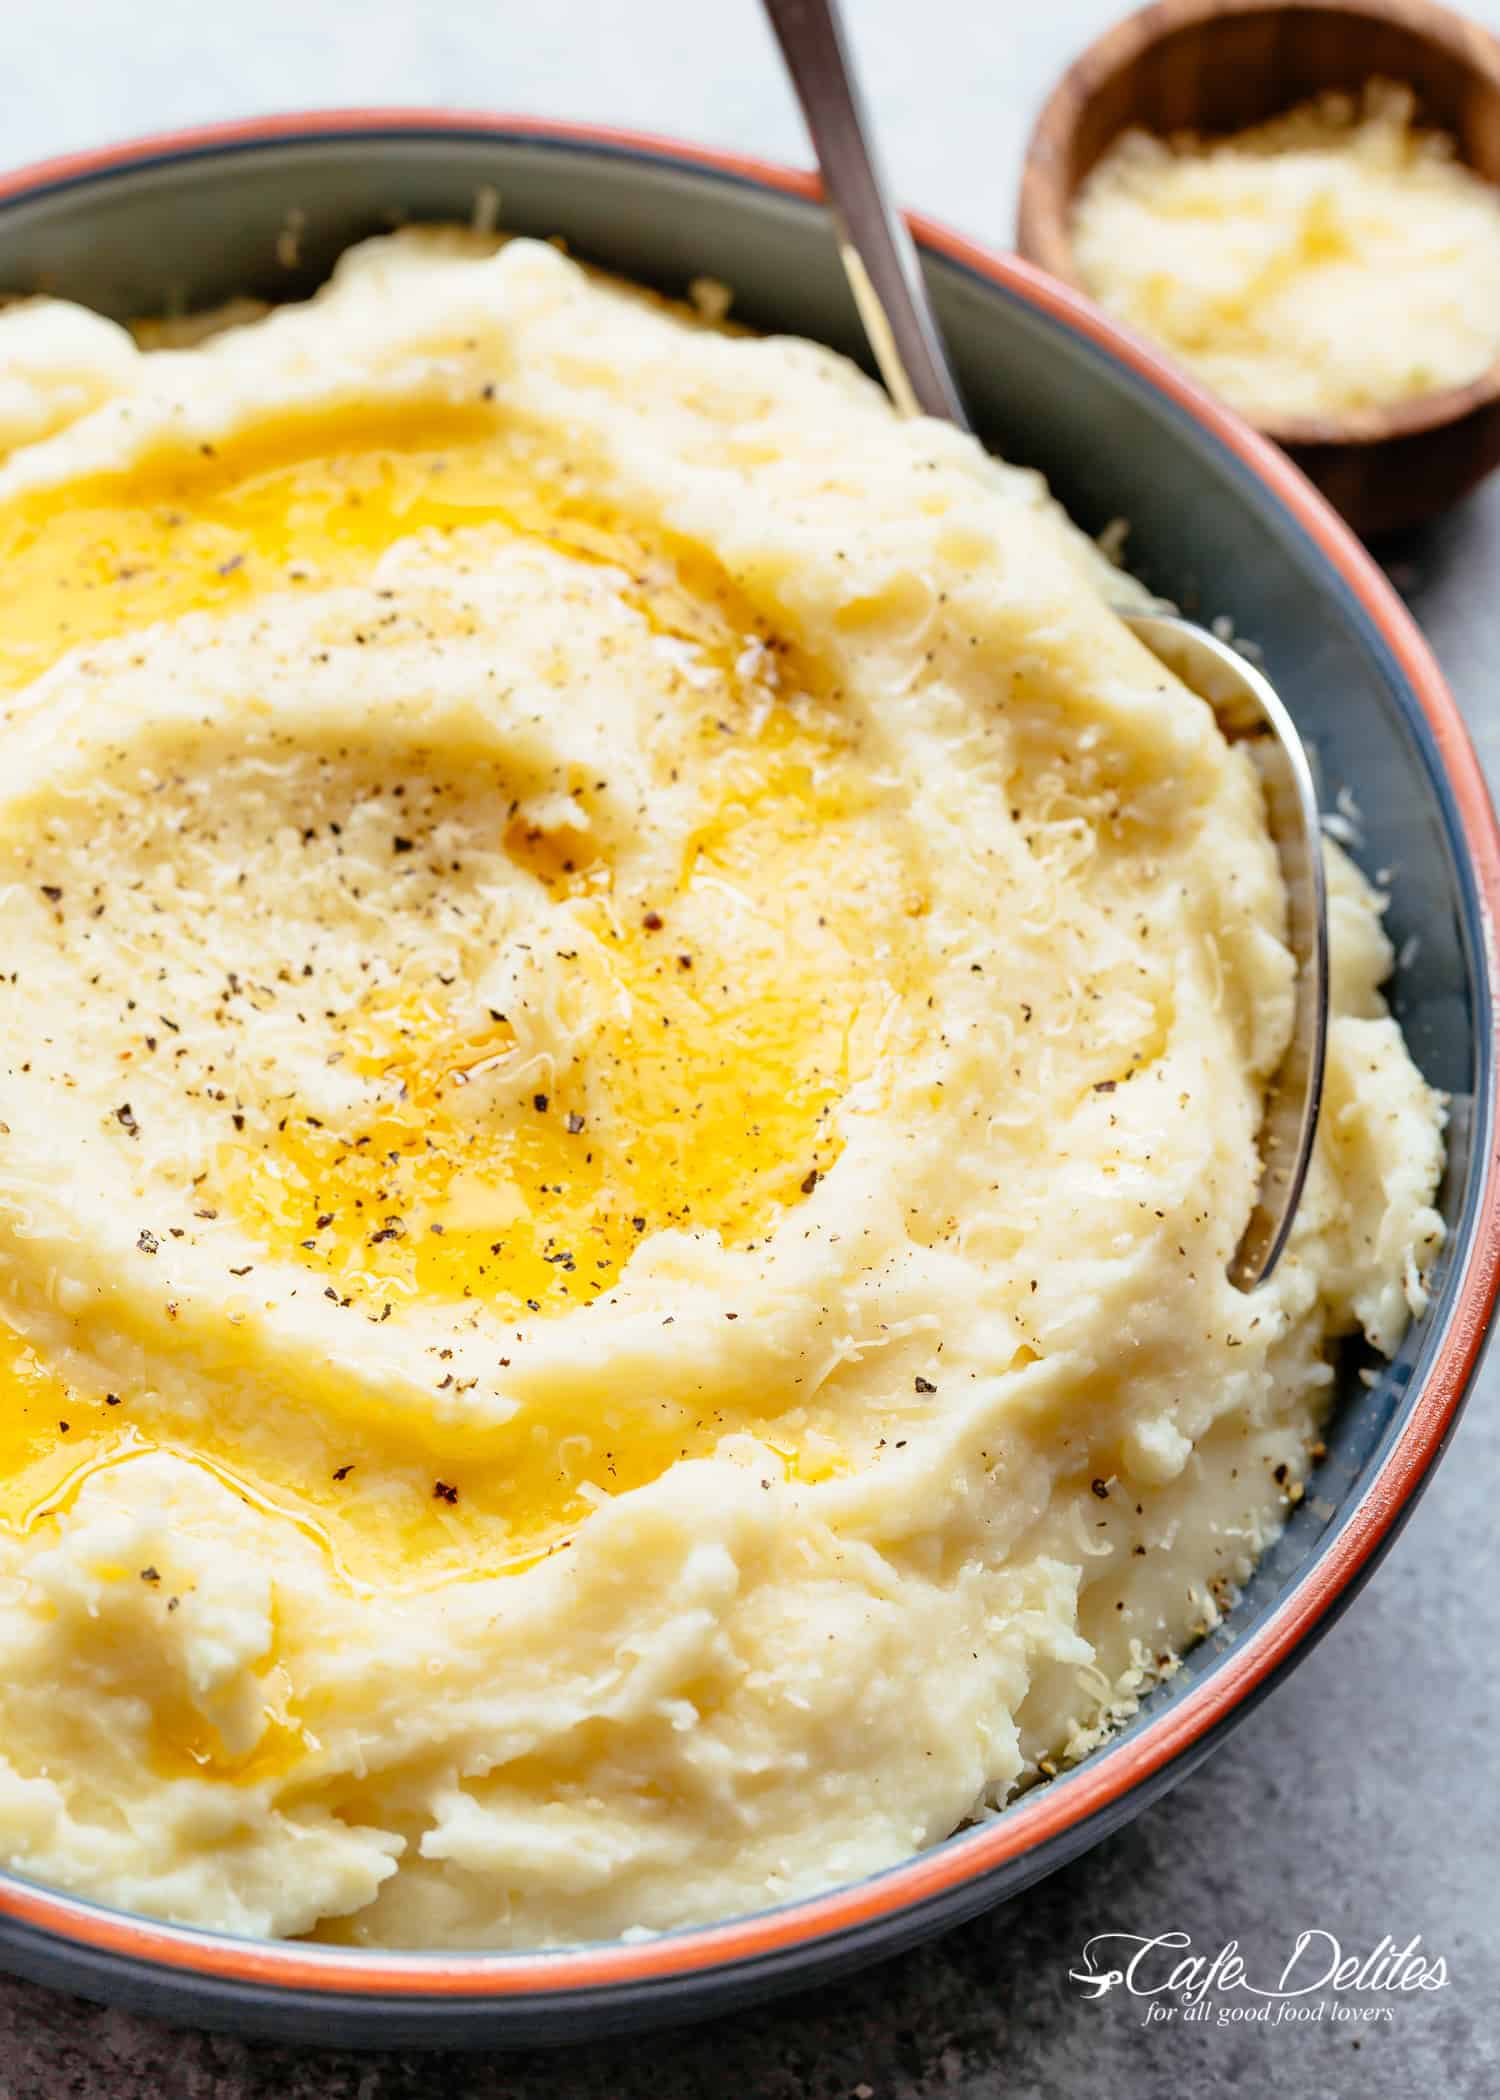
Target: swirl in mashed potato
631,1039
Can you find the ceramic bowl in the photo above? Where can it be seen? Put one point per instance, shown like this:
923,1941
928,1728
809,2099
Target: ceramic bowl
1220,521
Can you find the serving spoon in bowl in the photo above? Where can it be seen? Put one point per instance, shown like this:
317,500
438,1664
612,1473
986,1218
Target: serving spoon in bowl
881,262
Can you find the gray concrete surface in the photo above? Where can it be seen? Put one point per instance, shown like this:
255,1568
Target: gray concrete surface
1361,1798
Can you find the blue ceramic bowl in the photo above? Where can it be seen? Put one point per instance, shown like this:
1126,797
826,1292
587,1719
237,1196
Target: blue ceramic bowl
1221,522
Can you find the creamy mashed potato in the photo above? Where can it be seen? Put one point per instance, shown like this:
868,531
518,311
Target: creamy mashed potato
1336,258
631,1040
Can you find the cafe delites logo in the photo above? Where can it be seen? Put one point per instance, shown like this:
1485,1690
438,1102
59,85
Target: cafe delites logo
1168,1978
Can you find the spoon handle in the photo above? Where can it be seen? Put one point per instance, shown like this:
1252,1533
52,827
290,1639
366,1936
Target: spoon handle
885,277
877,250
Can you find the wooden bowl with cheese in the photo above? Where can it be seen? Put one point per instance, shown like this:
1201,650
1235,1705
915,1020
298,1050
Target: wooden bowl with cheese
1388,456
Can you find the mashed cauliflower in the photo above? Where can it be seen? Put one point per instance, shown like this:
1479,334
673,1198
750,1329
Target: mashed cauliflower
631,1037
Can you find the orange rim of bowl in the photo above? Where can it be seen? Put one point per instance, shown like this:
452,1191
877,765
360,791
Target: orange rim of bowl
1051,1811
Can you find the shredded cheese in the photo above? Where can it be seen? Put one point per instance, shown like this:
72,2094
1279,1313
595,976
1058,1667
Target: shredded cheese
1334,259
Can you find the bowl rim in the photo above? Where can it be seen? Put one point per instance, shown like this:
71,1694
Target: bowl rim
1043,209
294,1968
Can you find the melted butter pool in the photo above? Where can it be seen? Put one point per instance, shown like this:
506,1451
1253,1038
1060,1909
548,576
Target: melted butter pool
740,1007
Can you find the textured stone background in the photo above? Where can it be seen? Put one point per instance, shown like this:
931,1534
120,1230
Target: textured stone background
1362,1796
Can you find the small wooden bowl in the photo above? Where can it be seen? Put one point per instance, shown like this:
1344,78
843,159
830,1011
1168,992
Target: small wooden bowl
1219,65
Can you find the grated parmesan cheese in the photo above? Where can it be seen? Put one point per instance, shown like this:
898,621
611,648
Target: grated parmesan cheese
1333,259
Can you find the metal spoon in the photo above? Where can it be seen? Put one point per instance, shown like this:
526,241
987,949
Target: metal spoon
886,280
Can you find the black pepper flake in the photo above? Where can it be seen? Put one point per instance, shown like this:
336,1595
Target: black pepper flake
243,1272
1105,1086
539,1103
652,922
125,1117
148,1242
575,1122
1280,1475
343,1472
925,1385
52,893
150,1575
63,1428
400,845
1101,1489
684,962
111,1399
442,1492
809,1181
